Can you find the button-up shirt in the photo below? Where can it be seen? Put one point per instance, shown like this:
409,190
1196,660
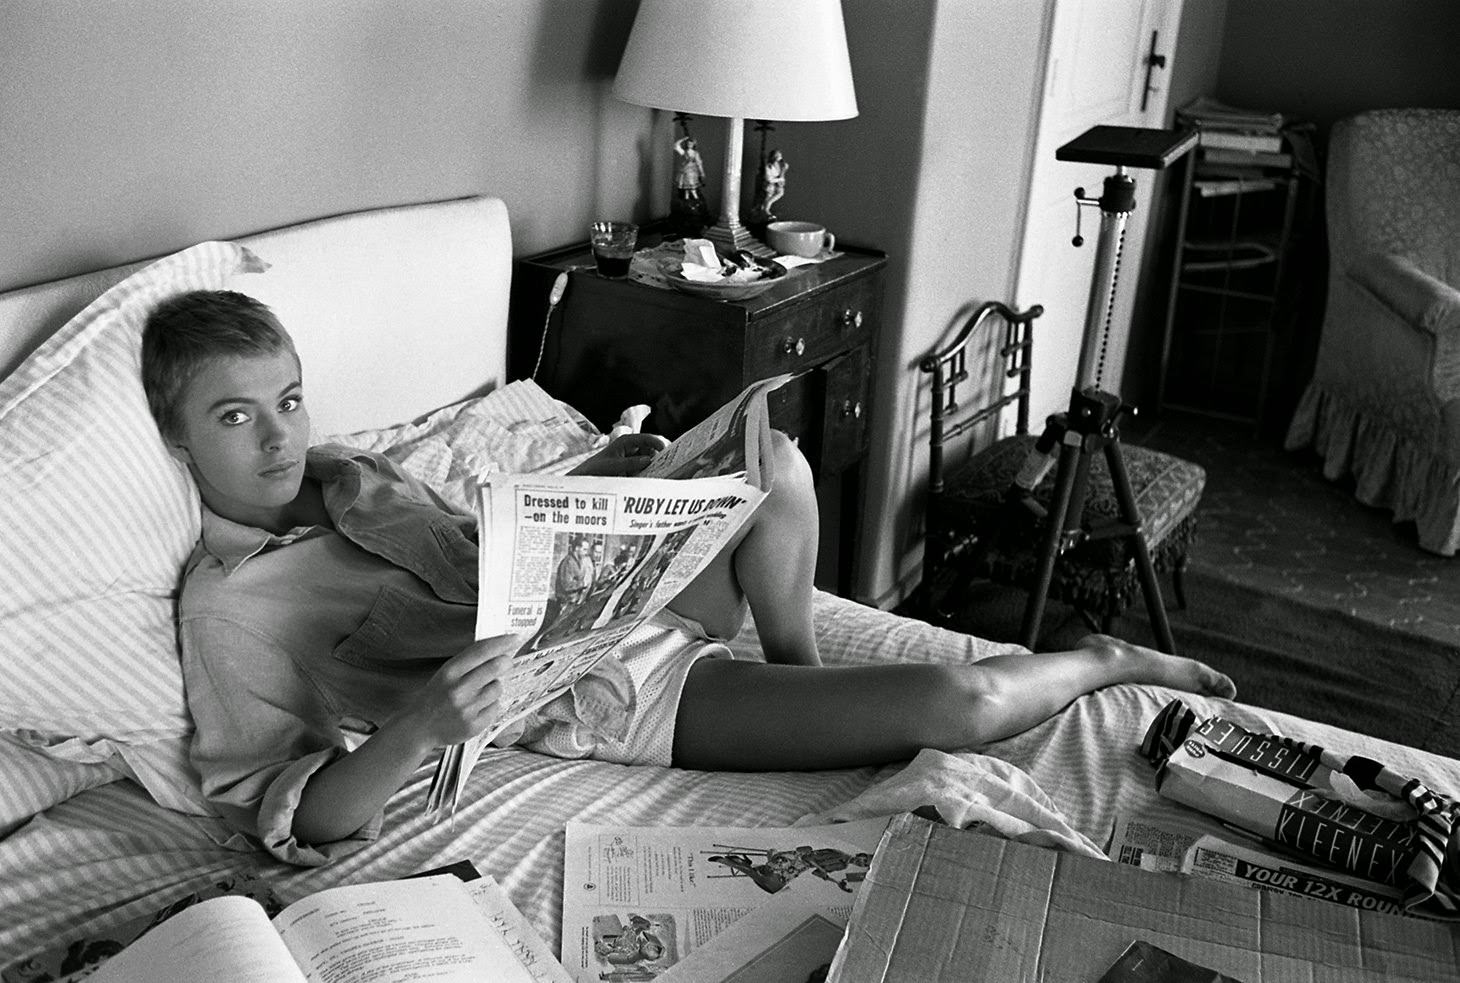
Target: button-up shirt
296,647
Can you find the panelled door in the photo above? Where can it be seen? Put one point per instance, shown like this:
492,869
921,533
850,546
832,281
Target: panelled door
1104,67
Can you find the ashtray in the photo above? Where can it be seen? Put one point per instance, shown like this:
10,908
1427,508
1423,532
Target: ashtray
770,272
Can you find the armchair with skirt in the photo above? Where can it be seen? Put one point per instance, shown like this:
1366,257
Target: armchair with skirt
1383,404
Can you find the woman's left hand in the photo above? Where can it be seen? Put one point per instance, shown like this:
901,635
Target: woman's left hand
624,456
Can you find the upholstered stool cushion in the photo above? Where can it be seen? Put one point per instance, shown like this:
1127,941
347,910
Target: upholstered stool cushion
1097,574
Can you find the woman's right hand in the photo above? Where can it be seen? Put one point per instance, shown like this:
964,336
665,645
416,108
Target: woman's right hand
458,702
461,700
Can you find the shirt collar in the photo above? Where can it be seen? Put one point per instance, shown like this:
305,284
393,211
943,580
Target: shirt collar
234,542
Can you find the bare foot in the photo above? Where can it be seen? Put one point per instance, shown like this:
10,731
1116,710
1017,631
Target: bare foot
1139,664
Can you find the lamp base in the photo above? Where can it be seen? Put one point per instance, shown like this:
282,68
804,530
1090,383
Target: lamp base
732,238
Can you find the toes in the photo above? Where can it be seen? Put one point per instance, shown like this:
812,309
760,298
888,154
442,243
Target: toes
1218,684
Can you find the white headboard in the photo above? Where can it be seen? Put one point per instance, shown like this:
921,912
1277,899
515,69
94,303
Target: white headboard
396,311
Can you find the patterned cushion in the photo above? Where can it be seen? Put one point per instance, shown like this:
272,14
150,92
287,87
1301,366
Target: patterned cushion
1097,574
96,520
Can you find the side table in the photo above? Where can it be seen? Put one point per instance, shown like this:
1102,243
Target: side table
613,343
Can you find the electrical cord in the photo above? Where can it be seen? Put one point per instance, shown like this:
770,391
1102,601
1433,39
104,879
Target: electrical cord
555,297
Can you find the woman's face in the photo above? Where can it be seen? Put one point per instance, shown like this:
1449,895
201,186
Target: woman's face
244,436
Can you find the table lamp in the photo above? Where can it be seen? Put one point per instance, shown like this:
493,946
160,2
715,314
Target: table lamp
780,60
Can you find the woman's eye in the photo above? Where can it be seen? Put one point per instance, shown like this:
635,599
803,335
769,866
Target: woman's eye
233,418
291,403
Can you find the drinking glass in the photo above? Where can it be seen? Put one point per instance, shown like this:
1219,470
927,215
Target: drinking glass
613,247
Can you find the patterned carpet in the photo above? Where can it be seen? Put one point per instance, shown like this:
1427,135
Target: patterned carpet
1271,521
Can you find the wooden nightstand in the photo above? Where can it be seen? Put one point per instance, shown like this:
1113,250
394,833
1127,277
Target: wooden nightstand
614,343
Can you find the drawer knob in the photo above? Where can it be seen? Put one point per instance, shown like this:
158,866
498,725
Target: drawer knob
794,346
852,409
849,319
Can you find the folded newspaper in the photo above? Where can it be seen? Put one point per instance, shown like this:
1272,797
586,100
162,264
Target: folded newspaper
576,562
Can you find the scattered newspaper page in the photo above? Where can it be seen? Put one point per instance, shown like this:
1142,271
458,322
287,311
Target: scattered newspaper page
637,900
575,563
1188,850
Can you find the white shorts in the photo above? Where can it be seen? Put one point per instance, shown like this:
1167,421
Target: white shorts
658,657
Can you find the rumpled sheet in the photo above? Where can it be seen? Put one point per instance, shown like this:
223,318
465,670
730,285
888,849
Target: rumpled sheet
966,789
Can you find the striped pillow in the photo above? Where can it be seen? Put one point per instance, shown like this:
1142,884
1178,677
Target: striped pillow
96,520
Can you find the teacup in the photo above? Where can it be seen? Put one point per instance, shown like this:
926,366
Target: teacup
805,239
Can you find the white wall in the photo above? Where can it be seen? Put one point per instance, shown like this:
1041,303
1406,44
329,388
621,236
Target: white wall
134,127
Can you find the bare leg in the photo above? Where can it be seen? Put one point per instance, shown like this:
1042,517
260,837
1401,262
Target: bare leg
772,566
749,716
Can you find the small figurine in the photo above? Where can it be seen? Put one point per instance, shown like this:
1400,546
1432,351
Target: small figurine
770,187
770,182
688,210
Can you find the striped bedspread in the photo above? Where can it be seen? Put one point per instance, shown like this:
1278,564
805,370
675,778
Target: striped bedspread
110,854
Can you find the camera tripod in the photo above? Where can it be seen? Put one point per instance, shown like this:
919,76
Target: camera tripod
1091,424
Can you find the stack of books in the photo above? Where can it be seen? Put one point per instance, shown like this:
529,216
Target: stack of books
1231,135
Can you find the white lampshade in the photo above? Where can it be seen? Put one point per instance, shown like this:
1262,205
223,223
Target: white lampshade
753,59
783,60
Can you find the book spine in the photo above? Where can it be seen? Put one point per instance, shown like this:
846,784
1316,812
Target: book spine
1263,142
1259,158
1233,186
1346,837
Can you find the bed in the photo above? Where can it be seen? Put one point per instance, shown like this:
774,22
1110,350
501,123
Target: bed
100,820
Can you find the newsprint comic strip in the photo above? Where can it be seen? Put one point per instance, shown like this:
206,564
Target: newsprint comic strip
576,562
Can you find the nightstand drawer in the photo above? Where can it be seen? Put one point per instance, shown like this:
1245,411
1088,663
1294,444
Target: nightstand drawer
812,332
848,397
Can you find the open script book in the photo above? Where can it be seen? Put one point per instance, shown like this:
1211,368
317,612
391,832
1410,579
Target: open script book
577,562
430,928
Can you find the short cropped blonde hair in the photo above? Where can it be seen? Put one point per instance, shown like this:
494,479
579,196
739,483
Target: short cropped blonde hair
189,330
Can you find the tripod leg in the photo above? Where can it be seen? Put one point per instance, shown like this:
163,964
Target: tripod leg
1069,475
1178,581
1150,587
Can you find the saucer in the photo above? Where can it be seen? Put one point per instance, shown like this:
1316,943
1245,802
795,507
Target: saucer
771,274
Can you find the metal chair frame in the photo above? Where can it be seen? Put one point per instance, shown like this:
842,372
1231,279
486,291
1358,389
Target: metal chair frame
949,367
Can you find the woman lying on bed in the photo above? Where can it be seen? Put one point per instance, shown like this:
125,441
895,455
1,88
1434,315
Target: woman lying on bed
327,616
